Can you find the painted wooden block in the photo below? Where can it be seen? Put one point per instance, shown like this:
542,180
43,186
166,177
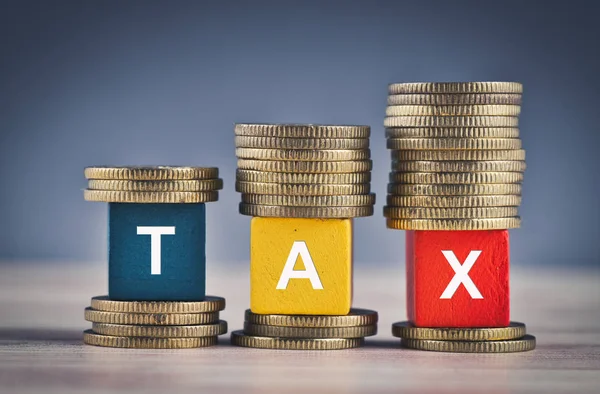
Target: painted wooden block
301,266
157,252
458,278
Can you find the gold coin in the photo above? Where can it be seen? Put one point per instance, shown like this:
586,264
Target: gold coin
151,319
309,332
455,87
291,189
238,338
406,330
454,224
242,141
305,212
356,317
150,197
285,177
453,110
451,121
156,186
476,189
459,166
302,130
463,155
356,200
456,99
507,346
452,132
303,154
315,167
454,201
150,173
448,213
456,177
123,330
91,338
453,143
209,304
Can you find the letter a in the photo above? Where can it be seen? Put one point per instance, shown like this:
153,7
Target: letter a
310,272
155,245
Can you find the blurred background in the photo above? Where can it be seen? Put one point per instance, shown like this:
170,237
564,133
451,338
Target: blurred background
157,82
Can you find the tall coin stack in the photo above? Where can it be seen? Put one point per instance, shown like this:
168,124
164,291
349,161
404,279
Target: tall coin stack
457,164
304,171
157,275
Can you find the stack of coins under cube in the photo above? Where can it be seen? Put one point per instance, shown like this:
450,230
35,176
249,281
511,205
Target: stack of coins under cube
455,186
303,185
157,262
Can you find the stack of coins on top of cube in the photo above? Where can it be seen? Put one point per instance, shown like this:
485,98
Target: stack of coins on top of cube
455,185
303,184
157,261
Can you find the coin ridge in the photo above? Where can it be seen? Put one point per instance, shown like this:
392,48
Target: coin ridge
150,197
450,121
151,319
191,185
91,338
150,173
460,155
452,132
356,317
242,141
459,166
453,143
305,212
454,224
472,189
453,110
454,201
524,344
455,177
292,189
392,212
309,332
238,338
209,304
455,99
303,154
303,130
192,331
455,87
353,200
406,330
295,166
302,178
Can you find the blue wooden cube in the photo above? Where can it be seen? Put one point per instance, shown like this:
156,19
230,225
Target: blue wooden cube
157,252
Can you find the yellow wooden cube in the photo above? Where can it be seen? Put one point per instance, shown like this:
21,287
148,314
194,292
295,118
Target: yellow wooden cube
301,266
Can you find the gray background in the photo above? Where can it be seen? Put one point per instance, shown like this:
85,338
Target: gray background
125,82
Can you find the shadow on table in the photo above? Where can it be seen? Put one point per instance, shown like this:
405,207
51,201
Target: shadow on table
38,334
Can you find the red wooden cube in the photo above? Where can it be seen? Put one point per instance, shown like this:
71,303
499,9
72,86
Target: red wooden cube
458,278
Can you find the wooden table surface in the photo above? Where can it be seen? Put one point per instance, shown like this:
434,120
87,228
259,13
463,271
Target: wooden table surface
41,319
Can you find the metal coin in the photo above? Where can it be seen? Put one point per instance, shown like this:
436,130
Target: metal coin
462,155
459,166
156,186
289,189
451,121
455,87
455,99
309,332
453,143
286,177
242,141
91,338
151,319
303,154
454,224
508,346
150,173
314,167
448,213
302,130
238,338
453,110
357,200
305,212
455,177
150,197
406,330
454,190
452,132
209,304
454,201
356,317
124,330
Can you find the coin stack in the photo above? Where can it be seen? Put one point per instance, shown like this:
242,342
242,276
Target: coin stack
154,324
147,307
300,332
304,171
457,162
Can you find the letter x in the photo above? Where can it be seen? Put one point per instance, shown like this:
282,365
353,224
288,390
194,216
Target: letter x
461,274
